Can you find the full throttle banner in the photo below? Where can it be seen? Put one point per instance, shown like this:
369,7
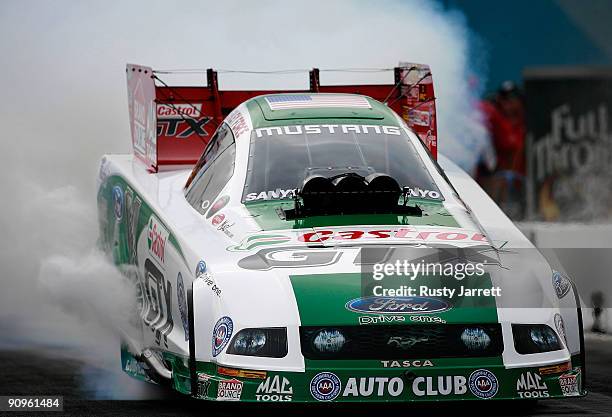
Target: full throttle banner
569,144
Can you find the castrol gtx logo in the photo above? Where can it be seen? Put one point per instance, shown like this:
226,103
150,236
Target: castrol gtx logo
179,110
157,237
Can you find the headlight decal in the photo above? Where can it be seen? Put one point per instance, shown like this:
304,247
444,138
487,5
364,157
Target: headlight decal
535,338
262,342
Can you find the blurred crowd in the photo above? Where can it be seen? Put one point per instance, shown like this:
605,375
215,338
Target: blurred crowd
501,167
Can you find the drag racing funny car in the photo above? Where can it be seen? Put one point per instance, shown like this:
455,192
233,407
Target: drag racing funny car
312,246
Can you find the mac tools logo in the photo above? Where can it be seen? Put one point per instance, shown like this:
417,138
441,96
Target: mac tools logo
157,236
531,385
275,389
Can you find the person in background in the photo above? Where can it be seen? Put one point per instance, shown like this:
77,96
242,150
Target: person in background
505,119
597,301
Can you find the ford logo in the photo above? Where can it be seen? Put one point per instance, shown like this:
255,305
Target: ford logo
398,305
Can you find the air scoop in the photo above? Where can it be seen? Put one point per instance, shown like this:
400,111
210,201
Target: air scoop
350,193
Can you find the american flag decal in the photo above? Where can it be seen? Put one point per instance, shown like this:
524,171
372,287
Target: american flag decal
312,101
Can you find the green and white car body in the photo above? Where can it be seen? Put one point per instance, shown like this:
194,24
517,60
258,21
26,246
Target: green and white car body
212,259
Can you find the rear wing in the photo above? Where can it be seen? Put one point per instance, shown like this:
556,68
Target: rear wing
170,126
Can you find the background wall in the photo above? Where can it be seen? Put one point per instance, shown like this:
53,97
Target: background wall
522,33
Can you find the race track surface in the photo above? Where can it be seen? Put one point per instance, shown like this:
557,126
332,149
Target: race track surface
48,372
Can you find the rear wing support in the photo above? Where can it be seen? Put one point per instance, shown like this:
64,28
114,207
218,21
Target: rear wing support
171,125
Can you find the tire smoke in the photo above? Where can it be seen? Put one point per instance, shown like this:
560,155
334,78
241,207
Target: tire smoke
65,105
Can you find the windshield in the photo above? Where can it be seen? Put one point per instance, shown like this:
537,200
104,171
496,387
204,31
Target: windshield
281,157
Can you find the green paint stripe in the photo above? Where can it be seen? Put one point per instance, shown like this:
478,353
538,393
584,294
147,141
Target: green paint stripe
266,215
108,232
322,298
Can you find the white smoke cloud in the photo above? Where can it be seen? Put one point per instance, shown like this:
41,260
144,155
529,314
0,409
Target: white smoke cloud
64,105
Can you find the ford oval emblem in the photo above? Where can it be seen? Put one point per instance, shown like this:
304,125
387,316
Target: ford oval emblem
398,305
